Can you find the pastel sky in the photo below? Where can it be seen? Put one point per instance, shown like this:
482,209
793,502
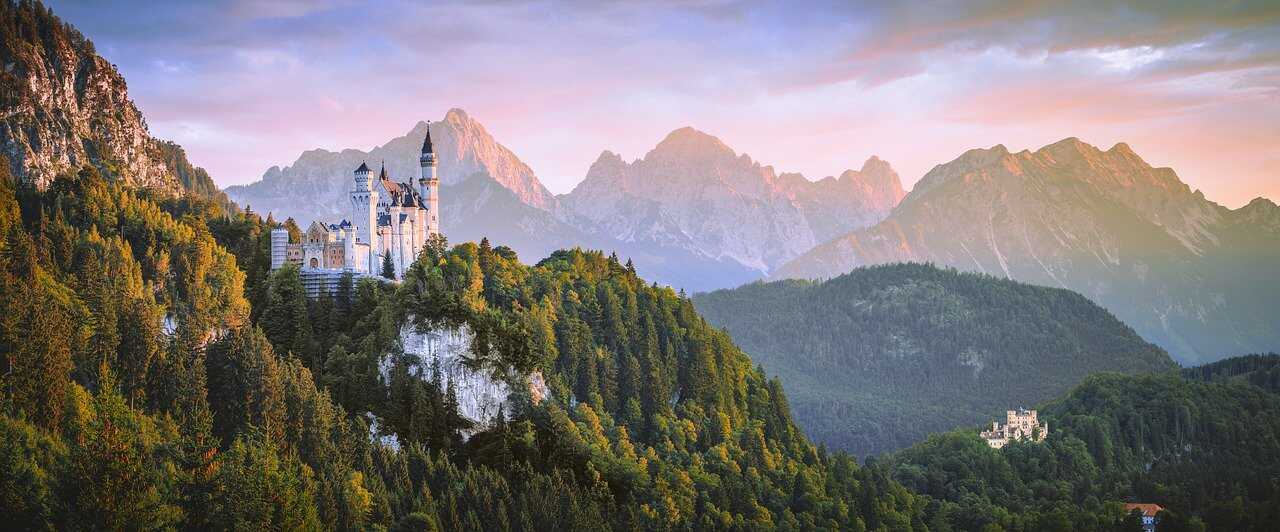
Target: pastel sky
804,86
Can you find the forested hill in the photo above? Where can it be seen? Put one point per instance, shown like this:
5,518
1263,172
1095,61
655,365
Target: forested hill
877,359
1262,371
155,375
1207,452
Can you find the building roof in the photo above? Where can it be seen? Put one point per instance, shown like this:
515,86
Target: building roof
363,168
1147,509
426,143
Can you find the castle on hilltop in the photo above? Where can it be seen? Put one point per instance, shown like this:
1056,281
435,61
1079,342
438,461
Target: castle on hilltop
1020,424
389,219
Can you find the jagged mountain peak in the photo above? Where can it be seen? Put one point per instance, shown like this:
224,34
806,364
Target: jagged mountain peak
456,114
687,142
694,191
875,164
316,184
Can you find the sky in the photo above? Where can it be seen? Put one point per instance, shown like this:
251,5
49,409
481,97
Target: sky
808,87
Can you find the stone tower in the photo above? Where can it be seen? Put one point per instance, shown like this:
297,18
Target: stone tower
429,186
364,215
279,246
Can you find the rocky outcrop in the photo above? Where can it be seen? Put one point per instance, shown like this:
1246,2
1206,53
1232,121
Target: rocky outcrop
482,393
693,192
63,107
1187,273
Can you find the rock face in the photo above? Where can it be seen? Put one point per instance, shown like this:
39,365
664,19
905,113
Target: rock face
62,107
481,394
1190,275
693,192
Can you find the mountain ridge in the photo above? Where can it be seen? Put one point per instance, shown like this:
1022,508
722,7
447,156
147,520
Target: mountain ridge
667,219
1131,236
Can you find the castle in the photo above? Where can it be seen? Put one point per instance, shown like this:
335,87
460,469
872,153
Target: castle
388,219
1020,424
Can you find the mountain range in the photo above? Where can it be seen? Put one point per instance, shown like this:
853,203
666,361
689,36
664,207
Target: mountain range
692,213
1190,275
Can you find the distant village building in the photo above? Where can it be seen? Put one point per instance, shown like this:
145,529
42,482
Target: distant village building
1149,512
1020,424
388,219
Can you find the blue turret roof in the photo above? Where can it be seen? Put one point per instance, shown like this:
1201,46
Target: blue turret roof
364,168
426,143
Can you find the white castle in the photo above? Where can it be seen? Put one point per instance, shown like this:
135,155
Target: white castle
1020,424
388,219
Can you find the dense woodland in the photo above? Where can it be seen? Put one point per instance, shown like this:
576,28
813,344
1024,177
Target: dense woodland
1207,452
157,375
1259,370
877,359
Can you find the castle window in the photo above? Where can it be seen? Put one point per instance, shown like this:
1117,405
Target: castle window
315,263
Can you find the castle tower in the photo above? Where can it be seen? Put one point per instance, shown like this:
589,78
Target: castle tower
429,186
364,216
279,247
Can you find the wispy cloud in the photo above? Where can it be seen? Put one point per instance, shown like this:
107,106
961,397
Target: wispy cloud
814,87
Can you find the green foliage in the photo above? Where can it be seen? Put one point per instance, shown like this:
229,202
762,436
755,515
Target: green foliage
388,268
1262,371
877,359
1208,452
157,374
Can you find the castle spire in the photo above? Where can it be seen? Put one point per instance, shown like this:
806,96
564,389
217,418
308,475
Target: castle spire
426,143
383,174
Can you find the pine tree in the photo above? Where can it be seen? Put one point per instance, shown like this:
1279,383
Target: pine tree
388,269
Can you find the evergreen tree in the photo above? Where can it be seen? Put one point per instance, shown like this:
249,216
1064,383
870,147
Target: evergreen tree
388,269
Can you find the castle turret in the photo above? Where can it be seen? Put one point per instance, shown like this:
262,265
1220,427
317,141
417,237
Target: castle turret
429,186
279,247
364,213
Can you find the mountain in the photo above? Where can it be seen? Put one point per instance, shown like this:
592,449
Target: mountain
1188,274
743,212
1208,453
693,192
877,359
317,184
62,106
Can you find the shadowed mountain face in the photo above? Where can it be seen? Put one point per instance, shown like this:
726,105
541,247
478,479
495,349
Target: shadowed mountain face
692,213
879,358
1188,274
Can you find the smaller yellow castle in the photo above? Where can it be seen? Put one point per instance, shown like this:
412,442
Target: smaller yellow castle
1020,424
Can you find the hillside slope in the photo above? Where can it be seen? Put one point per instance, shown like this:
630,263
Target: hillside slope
1188,274
877,359
1209,453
